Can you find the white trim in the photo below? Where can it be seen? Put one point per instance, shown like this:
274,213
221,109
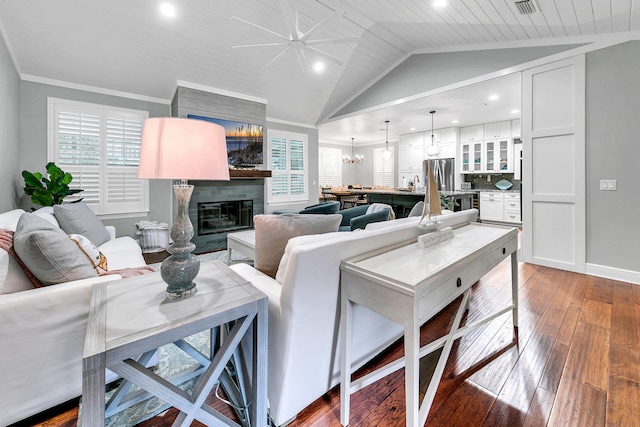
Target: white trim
594,43
12,55
287,122
613,273
69,85
218,91
363,144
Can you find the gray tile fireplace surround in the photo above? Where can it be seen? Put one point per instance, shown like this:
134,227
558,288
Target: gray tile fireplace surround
222,191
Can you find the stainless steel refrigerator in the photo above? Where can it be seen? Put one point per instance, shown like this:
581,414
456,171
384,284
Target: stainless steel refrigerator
443,170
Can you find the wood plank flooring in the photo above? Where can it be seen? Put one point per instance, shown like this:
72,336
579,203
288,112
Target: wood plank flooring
576,363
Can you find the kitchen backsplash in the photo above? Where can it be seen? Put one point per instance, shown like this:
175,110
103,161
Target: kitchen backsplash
485,181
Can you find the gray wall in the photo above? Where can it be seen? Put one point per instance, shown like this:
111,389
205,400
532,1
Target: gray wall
9,131
424,72
613,106
33,141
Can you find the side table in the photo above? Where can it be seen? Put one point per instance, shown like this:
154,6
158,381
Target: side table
243,242
409,285
131,317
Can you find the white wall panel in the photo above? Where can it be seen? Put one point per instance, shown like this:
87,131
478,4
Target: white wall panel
556,176
554,232
553,99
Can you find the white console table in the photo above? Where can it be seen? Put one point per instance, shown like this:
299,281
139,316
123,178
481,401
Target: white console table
131,317
409,285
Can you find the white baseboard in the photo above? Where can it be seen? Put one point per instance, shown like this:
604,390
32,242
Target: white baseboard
613,273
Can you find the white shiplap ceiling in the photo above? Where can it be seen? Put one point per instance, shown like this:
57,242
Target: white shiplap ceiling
128,46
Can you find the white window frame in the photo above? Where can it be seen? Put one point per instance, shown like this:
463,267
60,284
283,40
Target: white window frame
383,170
288,173
102,207
329,166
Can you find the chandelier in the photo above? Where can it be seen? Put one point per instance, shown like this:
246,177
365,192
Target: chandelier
353,158
432,150
387,154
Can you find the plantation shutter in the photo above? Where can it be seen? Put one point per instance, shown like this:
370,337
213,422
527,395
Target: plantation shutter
330,166
382,169
288,163
100,147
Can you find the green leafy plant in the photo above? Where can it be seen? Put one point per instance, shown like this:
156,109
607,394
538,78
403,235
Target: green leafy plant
48,191
448,202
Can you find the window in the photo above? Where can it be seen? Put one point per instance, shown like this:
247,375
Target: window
289,169
382,169
330,166
100,146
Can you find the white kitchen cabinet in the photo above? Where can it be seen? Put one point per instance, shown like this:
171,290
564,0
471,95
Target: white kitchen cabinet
497,130
442,136
410,156
498,156
472,133
512,208
472,157
492,206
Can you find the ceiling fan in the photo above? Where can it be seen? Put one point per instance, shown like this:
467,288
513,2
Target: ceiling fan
298,41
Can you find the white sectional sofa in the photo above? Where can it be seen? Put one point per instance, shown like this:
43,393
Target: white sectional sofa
304,316
42,330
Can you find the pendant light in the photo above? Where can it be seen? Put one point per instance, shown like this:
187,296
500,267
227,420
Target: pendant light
432,150
387,154
353,158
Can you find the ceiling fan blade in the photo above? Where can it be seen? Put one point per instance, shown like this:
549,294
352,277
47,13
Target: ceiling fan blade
260,45
277,56
320,25
326,56
289,19
302,59
262,28
334,41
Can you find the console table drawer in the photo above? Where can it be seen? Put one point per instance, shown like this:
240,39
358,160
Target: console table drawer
436,300
492,259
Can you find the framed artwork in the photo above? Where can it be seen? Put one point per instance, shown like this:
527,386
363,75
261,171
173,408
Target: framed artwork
244,141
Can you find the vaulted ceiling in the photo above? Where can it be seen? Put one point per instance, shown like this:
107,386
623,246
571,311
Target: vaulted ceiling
128,46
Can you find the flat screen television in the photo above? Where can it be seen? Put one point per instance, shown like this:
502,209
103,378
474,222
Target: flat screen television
244,141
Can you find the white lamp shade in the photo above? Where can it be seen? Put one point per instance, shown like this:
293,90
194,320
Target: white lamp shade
176,148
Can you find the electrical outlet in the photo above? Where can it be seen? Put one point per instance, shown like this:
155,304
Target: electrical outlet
607,184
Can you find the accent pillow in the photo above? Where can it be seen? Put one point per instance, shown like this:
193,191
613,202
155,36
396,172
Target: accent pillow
78,218
49,253
274,231
92,252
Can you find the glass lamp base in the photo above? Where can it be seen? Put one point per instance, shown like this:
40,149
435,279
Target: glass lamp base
181,293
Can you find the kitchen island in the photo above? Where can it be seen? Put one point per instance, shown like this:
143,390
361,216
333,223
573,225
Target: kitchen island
402,200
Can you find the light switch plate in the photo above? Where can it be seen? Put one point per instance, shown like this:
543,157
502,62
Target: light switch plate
607,184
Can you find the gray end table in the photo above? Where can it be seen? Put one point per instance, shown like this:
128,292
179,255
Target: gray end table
243,242
131,317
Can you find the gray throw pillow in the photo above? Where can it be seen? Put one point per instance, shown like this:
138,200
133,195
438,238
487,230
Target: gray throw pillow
49,253
78,218
274,231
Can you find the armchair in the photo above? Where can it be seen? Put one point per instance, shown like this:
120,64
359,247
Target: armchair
322,208
357,217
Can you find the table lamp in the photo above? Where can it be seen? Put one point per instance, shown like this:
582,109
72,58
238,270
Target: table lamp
176,148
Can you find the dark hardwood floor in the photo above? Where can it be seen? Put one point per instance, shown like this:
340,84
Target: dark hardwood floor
576,362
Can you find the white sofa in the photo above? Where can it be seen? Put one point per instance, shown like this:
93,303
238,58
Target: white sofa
42,330
304,316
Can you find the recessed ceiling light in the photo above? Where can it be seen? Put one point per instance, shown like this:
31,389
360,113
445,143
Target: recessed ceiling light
319,66
412,128
455,121
515,111
493,97
439,3
167,9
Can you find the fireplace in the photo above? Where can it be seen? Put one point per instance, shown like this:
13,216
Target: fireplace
220,217
220,207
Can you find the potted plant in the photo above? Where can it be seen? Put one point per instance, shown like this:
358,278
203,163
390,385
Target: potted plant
448,202
51,190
